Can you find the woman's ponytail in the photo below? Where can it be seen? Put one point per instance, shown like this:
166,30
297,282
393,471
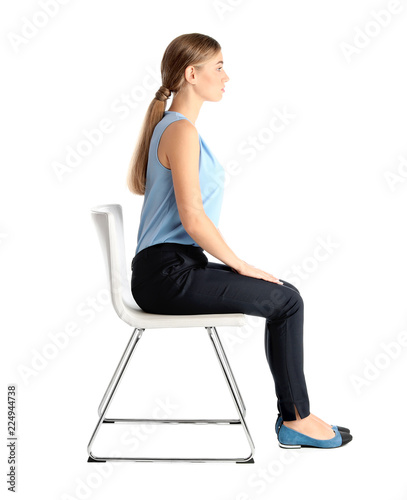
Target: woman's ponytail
136,177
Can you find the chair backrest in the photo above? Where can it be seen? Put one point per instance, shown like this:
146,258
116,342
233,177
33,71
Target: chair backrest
108,220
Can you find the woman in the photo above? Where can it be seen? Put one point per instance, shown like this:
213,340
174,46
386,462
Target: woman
182,184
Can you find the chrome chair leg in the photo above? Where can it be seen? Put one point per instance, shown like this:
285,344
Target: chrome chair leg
232,377
102,405
232,387
114,383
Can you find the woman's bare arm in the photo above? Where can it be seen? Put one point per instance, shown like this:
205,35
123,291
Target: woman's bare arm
182,151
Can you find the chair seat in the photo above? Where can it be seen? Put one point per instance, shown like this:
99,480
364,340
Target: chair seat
130,312
138,318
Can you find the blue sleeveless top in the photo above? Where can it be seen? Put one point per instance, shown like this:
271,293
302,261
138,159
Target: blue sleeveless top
159,220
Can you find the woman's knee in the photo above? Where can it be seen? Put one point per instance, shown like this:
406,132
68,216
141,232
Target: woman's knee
293,305
286,283
281,302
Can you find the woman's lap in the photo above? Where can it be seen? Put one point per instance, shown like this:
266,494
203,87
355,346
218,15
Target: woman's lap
170,280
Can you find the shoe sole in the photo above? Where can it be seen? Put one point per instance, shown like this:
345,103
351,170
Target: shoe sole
289,446
297,446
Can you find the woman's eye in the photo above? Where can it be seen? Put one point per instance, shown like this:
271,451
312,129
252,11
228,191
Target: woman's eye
220,67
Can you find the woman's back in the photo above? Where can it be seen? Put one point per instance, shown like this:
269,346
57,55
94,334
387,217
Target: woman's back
160,221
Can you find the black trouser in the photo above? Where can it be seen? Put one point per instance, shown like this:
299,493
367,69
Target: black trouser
171,278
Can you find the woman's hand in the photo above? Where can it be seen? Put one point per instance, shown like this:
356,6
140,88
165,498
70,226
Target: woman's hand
246,269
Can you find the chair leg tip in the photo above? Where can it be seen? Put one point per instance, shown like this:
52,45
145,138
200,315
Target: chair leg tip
251,461
90,459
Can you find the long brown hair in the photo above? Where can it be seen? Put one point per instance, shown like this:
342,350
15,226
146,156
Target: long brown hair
192,49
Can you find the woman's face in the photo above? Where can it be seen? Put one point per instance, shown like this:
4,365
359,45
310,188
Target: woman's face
211,79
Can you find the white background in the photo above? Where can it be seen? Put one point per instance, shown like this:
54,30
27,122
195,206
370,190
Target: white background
337,173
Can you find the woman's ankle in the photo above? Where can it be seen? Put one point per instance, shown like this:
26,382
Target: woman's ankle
297,416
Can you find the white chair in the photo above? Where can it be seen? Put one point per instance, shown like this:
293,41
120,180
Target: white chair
109,224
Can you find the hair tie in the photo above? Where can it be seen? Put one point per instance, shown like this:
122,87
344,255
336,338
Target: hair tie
163,93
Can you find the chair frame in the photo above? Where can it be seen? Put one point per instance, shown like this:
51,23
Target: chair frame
115,381
120,370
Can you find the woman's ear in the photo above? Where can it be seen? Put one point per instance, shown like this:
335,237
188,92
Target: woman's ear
190,74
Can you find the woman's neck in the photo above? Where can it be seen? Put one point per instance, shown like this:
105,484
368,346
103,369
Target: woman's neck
188,107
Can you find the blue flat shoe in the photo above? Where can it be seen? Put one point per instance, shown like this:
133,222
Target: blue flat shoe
279,421
289,438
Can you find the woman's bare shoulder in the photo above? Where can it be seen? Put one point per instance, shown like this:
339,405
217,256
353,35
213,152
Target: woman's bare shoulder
180,133
179,140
